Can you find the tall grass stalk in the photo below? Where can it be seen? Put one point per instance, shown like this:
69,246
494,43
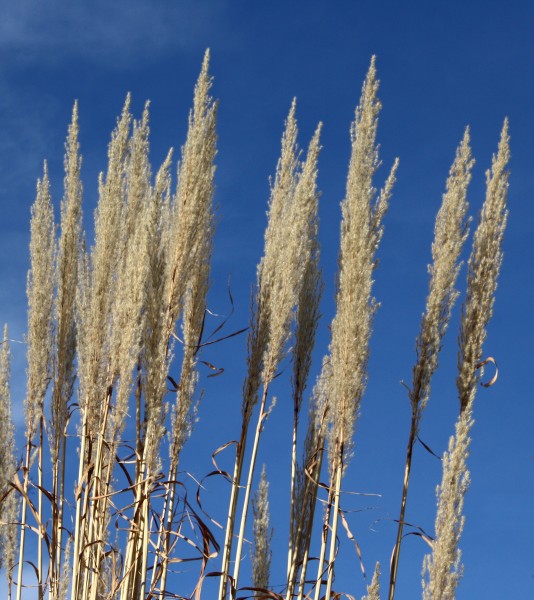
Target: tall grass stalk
292,207
190,234
442,569
279,279
65,342
361,230
97,379
8,499
301,494
39,341
450,233
306,321
306,497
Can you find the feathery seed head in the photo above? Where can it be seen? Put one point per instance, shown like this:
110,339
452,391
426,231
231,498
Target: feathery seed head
261,553
483,270
289,239
275,283
373,590
442,570
98,285
192,211
156,355
67,281
306,321
9,505
40,292
450,233
128,314
360,233
308,472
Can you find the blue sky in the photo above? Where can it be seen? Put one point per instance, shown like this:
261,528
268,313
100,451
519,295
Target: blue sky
442,66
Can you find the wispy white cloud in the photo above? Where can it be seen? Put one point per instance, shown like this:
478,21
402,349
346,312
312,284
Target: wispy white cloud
116,32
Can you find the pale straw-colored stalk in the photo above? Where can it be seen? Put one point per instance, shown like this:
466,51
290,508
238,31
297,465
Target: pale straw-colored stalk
128,313
306,321
65,341
259,344
289,242
95,301
308,483
361,231
97,287
450,233
442,569
155,358
8,501
127,318
305,485
190,238
40,292
182,415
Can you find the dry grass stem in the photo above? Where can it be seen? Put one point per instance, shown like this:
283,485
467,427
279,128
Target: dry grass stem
9,501
40,292
289,245
361,231
442,569
450,233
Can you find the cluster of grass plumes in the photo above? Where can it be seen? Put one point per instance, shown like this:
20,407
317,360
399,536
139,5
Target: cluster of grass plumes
107,324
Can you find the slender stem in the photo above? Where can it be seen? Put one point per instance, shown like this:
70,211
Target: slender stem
298,532
40,510
61,508
144,557
241,536
167,524
129,583
320,568
99,501
333,538
58,487
407,469
77,523
26,469
145,526
306,527
230,522
158,568
302,581
293,544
